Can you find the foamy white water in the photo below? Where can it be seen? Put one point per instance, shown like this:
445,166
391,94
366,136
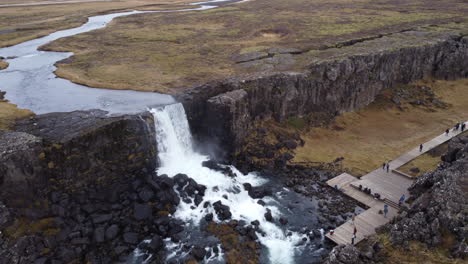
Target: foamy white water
177,155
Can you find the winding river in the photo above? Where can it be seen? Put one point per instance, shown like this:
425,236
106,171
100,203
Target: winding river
31,84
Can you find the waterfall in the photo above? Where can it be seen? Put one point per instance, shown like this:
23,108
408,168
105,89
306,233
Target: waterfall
177,155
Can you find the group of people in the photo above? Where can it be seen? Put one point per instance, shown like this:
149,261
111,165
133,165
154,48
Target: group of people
461,126
386,166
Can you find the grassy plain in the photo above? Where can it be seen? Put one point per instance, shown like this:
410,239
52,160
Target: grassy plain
381,131
160,52
22,23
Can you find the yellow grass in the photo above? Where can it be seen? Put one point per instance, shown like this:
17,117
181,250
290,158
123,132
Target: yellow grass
368,137
9,113
3,64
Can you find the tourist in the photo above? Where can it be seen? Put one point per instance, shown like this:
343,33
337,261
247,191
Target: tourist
388,167
463,127
352,239
355,230
336,188
457,126
446,132
420,148
384,165
332,232
402,199
385,210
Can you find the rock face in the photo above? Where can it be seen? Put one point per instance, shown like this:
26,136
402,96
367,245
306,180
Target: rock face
440,203
337,80
81,187
75,149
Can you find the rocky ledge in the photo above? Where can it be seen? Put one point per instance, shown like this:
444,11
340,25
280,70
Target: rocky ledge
336,80
74,149
436,215
81,187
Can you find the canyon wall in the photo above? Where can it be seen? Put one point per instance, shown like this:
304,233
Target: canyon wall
337,80
73,150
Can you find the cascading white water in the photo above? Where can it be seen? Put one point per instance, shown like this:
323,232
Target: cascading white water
177,155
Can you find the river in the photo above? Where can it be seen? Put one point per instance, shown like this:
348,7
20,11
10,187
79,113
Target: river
31,84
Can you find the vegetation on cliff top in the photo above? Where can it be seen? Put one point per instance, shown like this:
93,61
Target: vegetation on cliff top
159,52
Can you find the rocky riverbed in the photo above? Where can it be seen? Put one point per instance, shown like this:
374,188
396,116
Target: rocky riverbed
82,186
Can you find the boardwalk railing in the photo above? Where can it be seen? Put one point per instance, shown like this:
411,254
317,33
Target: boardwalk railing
390,185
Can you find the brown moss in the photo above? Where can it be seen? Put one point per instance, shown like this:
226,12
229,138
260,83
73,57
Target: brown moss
22,226
237,250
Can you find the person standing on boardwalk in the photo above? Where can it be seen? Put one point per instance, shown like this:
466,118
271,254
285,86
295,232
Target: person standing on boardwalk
420,148
388,166
352,239
385,210
402,199
355,231
457,126
384,165
446,132
463,127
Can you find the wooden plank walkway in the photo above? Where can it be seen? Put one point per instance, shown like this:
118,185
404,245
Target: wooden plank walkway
390,185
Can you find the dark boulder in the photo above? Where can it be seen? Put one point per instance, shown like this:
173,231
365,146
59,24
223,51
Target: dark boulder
268,215
141,211
99,234
146,194
198,253
156,243
209,217
259,192
223,211
131,238
112,231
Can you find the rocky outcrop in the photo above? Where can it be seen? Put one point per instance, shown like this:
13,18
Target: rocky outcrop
81,187
440,203
74,150
349,254
336,80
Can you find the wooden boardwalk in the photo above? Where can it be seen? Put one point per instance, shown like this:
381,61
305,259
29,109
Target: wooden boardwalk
390,185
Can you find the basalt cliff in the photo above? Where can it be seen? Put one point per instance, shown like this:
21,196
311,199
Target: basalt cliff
338,79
